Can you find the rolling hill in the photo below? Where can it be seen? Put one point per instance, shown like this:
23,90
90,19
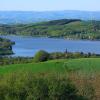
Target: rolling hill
64,28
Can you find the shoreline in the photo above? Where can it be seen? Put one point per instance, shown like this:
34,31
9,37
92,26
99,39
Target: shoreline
76,39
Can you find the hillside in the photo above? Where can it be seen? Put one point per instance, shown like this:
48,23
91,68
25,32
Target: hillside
84,74
13,17
64,28
20,79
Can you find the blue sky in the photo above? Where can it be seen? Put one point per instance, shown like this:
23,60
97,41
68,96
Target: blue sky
45,5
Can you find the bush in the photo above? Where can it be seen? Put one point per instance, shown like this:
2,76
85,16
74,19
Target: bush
36,87
41,56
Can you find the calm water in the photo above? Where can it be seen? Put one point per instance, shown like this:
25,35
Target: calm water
28,46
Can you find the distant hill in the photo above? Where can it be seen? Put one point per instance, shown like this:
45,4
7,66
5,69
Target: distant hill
13,17
63,28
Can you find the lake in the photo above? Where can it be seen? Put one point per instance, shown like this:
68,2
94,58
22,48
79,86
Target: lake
28,46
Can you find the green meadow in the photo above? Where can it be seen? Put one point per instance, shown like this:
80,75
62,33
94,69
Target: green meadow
83,66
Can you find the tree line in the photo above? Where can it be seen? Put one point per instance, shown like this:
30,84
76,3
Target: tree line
42,55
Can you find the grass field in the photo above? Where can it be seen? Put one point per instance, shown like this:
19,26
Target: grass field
86,65
84,73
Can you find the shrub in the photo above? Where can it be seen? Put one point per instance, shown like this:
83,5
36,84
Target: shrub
22,87
41,56
62,90
36,87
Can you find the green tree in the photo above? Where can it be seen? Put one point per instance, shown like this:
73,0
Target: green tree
41,56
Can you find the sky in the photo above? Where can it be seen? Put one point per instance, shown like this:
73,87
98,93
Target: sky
49,5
